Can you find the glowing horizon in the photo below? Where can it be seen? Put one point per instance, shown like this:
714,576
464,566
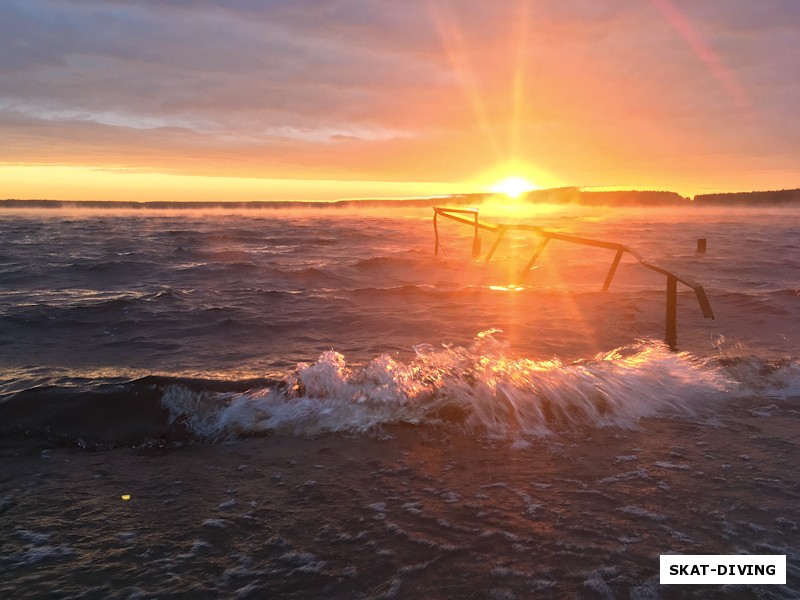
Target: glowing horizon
429,97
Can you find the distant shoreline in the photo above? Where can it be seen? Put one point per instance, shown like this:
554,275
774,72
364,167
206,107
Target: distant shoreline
566,196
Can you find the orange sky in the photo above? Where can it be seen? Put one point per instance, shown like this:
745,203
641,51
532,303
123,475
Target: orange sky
327,99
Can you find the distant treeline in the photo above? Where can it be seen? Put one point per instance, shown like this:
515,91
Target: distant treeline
777,198
628,198
662,198
551,196
231,205
568,195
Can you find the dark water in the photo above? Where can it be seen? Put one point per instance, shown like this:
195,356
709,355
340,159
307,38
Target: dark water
309,404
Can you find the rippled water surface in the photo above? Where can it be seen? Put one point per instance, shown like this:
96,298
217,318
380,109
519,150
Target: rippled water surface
311,404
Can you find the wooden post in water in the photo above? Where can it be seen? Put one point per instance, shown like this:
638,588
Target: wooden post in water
435,234
476,241
672,312
701,245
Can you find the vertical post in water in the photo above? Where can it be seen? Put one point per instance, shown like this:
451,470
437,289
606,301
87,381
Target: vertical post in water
435,233
532,261
476,241
672,312
501,234
612,270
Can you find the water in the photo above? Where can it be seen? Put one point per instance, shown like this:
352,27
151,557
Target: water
310,404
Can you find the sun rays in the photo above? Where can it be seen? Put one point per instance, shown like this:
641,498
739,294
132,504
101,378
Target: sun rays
684,27
496,94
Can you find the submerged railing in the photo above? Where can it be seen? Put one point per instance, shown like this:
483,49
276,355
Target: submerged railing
469,216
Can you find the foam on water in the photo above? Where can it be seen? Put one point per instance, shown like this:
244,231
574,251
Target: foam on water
779,380
483,386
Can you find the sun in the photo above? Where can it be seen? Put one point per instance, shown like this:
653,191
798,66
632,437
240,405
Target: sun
513,187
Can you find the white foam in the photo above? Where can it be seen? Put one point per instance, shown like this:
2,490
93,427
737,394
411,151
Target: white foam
303,562
639,473
215,523
672,465
34,554
626,458
497,394
598,585
36,538
641,512
765,379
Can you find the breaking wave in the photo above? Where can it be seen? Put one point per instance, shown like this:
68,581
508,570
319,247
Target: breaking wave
481,386
482,389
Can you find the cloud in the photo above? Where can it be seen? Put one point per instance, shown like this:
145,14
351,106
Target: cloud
420,89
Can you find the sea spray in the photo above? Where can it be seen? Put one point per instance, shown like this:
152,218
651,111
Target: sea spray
482,386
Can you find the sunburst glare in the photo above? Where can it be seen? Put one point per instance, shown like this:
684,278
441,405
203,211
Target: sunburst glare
513,187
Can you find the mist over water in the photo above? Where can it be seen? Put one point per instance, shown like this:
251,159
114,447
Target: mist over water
413,413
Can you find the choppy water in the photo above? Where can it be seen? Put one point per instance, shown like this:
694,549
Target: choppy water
310,404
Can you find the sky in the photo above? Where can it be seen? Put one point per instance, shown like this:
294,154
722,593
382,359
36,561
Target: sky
329,99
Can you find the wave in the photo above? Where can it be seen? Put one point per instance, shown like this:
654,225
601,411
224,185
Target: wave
79,307
382,263
309,277
775,302
114,267
480,389
483,390
222,256
104,413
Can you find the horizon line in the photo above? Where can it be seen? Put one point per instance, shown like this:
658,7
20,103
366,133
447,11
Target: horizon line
525,197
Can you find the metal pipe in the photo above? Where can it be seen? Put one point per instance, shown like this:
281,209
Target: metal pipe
612,270
501,234
547,235
539,249
435,235
476,241
672,312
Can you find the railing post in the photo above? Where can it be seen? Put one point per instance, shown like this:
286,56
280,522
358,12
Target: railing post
532,261
612,270
672,312
499,239
546,235
435,234
476,241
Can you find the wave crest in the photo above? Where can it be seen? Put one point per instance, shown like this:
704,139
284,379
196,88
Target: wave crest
481,386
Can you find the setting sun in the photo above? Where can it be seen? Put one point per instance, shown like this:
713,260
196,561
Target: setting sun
428,297
513,187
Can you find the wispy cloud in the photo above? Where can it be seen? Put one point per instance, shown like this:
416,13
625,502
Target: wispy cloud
417,90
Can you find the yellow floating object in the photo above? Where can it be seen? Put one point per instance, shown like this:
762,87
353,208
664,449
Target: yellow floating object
126,496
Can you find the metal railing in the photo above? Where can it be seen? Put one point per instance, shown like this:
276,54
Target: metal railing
469,216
